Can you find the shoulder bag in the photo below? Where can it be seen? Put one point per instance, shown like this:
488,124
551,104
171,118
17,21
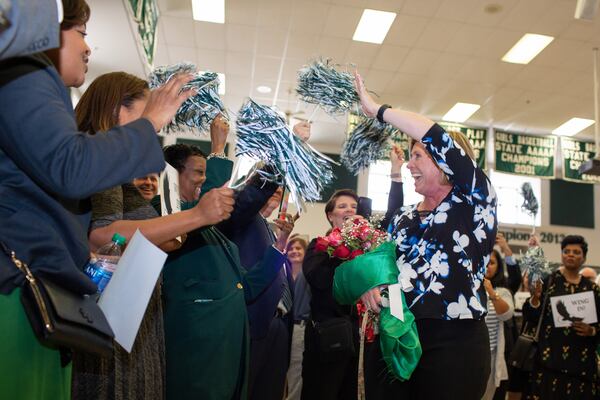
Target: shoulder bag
525,348
62,319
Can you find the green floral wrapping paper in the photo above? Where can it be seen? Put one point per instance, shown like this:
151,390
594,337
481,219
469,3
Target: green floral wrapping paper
399,340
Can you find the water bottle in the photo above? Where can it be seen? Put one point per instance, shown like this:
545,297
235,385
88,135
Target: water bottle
100,269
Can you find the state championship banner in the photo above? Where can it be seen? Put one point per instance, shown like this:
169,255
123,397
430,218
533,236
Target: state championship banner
525,154
477,137
574,153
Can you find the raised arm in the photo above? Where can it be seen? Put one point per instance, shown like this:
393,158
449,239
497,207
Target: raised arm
212,208
55,154
413,124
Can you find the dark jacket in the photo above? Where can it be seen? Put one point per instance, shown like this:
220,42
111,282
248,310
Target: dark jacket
47,165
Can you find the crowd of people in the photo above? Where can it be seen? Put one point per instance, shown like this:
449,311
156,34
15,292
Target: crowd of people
242,304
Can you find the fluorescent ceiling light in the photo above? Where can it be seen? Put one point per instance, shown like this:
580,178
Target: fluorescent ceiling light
373,26
209,10
527,48
263,89
573,126
461,112
221,82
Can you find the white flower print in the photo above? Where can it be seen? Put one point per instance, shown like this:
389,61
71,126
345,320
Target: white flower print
459,309
441,213
461,241
406,273
438,265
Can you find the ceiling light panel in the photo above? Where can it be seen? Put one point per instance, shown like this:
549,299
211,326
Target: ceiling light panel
461,112
373,26
209,11
527,48
573,126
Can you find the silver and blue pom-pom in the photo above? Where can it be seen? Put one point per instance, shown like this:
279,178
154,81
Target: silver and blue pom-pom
199,110
366,144
535,265
322,84
263,135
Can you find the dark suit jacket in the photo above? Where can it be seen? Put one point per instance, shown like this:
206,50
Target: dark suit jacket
252,239
46,165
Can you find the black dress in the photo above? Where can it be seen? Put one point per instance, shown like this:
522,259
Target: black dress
566,363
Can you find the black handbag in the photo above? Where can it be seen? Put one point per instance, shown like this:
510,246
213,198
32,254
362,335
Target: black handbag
61,319
525,348
335,338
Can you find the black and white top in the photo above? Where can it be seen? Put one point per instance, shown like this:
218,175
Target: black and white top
444,255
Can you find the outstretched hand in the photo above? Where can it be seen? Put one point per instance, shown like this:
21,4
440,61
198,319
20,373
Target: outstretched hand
164,101
368,105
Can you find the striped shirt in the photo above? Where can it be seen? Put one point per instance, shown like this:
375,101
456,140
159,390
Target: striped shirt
493,323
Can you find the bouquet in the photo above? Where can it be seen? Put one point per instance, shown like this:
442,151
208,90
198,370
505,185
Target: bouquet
370,261
355,238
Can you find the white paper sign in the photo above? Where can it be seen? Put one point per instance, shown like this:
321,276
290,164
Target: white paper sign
125,298
395,293
573,307
168,189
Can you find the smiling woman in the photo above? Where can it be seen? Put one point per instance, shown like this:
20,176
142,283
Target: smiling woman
443,245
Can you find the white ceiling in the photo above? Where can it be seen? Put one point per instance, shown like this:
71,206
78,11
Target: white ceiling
438,52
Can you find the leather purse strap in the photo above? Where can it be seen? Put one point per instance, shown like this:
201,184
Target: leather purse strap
33,284
539,324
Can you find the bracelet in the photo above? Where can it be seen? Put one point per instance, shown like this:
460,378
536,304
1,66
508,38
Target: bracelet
381,111
396,175
593,331
217,155
496,296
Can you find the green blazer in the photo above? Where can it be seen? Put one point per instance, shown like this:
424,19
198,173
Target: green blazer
205,290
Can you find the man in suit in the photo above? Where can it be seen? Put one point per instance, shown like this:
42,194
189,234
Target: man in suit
270,315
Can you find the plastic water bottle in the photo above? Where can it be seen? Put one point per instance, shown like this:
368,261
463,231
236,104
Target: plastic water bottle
101,268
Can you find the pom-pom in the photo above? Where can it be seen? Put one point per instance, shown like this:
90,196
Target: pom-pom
263,135
530,203
366,144
535,264
199,110
320,83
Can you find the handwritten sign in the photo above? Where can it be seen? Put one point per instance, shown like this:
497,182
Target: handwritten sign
573,307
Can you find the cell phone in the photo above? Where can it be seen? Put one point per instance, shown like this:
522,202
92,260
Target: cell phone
364,207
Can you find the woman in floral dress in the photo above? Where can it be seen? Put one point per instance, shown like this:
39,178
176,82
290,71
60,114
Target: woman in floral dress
443,247
565,367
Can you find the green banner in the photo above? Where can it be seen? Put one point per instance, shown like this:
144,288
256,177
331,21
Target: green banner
145,15
525,154
477,137
574,153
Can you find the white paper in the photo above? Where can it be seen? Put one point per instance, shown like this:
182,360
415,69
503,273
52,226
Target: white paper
573,307
168,189
520,299
395,293
125,298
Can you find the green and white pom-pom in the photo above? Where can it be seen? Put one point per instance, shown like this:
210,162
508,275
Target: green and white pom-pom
320,83
366,144
263,135
535,264
199,110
